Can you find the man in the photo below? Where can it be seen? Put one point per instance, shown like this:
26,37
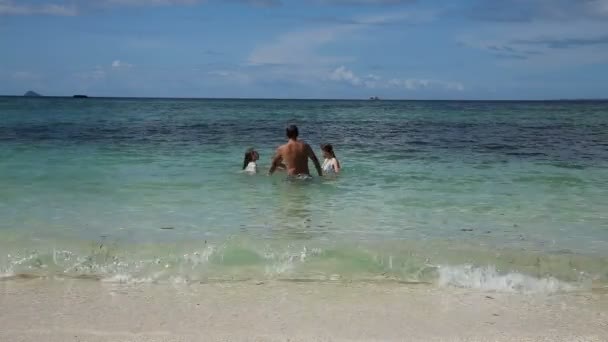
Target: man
295,155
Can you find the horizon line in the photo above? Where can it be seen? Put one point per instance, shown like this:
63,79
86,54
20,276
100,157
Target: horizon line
301,99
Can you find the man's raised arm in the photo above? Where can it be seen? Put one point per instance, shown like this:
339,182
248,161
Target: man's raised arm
275,161
313,157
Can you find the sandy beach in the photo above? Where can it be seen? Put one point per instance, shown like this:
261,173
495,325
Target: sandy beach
83,310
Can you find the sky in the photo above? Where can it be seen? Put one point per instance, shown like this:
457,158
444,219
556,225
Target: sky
354,49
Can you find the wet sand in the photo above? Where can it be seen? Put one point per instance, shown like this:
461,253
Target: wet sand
86,310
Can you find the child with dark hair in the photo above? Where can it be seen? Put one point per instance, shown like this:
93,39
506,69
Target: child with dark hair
331,162
250,162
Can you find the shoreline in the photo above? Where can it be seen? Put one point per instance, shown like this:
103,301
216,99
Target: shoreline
88,310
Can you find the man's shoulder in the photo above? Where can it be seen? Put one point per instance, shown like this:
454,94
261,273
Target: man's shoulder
295,145
303,143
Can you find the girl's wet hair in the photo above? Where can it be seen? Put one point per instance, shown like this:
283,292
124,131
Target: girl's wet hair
329,149
248,157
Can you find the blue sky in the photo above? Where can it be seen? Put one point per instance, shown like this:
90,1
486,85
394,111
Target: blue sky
402,49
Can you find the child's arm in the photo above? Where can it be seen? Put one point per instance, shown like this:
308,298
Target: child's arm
336,165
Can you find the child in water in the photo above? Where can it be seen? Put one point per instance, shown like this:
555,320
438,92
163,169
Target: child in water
331,163
250,162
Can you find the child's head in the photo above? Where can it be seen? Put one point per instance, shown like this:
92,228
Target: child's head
328,151
251,155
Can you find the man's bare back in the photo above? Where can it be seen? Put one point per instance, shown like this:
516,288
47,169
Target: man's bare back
295,155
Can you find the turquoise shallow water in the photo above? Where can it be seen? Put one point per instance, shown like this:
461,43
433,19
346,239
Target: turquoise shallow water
499,195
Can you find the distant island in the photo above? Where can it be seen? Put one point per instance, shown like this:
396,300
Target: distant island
80,96
32,94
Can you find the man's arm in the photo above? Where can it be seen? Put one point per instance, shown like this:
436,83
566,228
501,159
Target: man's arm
311,155
276,160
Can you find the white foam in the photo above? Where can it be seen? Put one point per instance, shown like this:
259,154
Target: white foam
281,267
286,262
14,262
7,274
127,279
178,280
198,258
488,278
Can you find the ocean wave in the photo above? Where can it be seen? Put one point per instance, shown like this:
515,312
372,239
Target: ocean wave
489,279
239,261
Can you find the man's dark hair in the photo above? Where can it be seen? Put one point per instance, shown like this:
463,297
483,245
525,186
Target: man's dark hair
292,132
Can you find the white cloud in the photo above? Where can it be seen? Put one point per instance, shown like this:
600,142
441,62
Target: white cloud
417,84
365,2
8,7
117,64
142,3
539,10
149,2
373,77
298,47
541,34
541,44
58,8
410,17
598,7
33,7
344,75
301,47
341,74
262,3
296,57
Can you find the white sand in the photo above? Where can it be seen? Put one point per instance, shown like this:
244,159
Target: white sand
81,310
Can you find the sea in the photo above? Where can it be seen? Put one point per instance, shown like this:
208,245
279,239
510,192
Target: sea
502,196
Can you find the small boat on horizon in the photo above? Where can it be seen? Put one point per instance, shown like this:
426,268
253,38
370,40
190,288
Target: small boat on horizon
374,98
